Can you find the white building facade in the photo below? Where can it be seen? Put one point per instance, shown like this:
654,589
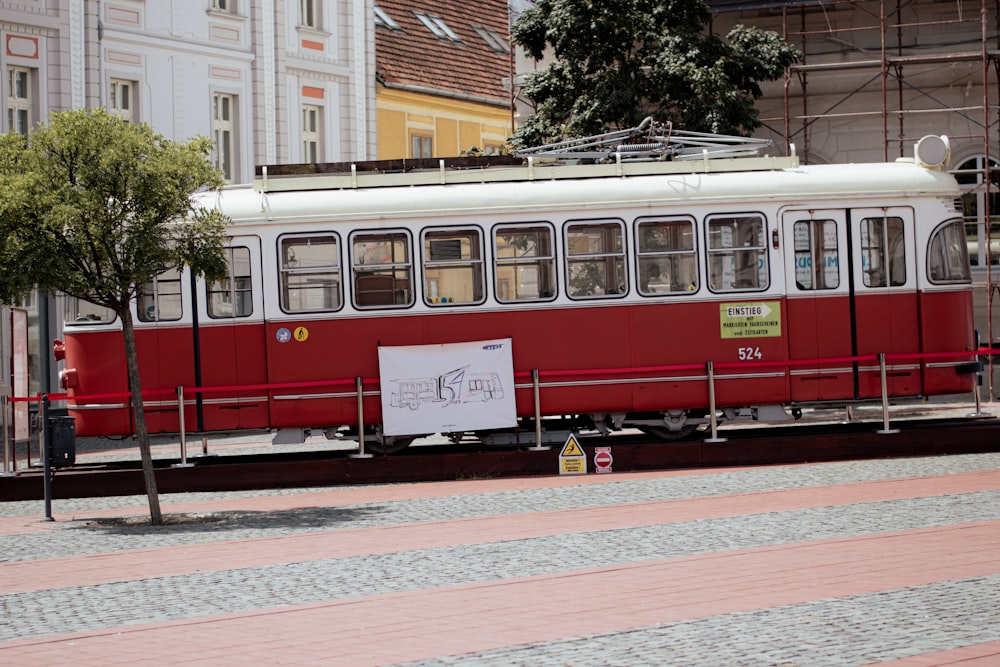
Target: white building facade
271,81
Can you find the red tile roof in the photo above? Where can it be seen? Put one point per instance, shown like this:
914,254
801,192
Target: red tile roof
416,58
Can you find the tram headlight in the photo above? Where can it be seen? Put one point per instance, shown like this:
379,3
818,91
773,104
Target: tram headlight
933,152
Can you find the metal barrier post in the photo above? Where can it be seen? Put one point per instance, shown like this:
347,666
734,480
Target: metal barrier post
979,384
885,399
359,386
45,453
7,472
539,447
711,405
180,421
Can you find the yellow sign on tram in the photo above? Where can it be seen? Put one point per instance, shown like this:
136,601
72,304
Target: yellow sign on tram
760,319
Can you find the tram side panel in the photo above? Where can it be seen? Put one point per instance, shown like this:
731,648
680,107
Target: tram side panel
947,325
164,363
96,368
586,356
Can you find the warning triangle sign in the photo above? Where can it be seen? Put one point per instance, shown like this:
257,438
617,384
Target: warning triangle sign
572,447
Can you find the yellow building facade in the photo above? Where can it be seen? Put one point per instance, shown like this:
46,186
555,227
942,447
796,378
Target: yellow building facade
412,124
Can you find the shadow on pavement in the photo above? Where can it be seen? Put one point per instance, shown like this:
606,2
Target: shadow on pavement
306,517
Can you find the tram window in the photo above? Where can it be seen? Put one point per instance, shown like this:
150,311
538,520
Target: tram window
665,261
309,273
882,245
595,259
160,300
817,262
453,266
232,296
525,263
948,254
737,254
78,311
383,271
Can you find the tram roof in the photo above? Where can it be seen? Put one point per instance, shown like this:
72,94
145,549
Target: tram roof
551,187
486,169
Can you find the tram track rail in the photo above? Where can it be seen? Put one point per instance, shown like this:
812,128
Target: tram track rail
738,446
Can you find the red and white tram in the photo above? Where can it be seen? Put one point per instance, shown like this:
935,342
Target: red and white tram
615,282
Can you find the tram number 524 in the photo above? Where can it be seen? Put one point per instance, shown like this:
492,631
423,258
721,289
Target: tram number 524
750,353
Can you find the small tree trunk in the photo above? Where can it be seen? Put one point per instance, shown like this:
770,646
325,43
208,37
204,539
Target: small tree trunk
135,386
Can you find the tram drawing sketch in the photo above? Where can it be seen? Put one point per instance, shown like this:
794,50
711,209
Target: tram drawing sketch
455,386
448,387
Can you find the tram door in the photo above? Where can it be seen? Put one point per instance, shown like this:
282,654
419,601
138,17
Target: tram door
818,308
884,299
231,333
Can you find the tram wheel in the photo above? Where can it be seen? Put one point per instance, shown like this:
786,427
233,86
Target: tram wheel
388,444
664,433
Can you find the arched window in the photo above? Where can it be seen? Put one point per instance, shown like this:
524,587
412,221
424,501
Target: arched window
971,175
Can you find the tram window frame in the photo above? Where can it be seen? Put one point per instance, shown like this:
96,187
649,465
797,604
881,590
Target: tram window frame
160,300
952,254
439,266
888,247
719,249
512,273
80,312
234,293
813,246
614,283
657,261
387,284
305,281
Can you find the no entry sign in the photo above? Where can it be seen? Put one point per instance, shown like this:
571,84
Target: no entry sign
602,459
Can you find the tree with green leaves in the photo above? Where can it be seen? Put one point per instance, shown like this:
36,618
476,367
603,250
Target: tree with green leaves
618,61
96,207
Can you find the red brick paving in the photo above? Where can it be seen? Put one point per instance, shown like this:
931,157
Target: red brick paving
414,625
383,629
168,561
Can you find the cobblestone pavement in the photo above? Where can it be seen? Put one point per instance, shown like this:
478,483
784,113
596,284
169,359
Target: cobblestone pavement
863,621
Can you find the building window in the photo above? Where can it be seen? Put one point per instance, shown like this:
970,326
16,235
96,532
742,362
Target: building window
492,39
817,260
19,111
224,131
971,175
120,95
420,146
525,263
665,258
383,270
309,13
437,26
883,252
595,259
383,20
312,133
226,6
453,266
737,256
233,295
309,273
160,300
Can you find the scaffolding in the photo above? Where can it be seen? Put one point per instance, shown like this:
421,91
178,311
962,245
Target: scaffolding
880,80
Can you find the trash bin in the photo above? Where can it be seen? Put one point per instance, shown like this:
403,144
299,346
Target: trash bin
62,441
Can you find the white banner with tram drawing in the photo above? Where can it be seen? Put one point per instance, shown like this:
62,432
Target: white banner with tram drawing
447,388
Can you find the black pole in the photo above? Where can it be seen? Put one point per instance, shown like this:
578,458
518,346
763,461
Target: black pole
198,400
46,454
